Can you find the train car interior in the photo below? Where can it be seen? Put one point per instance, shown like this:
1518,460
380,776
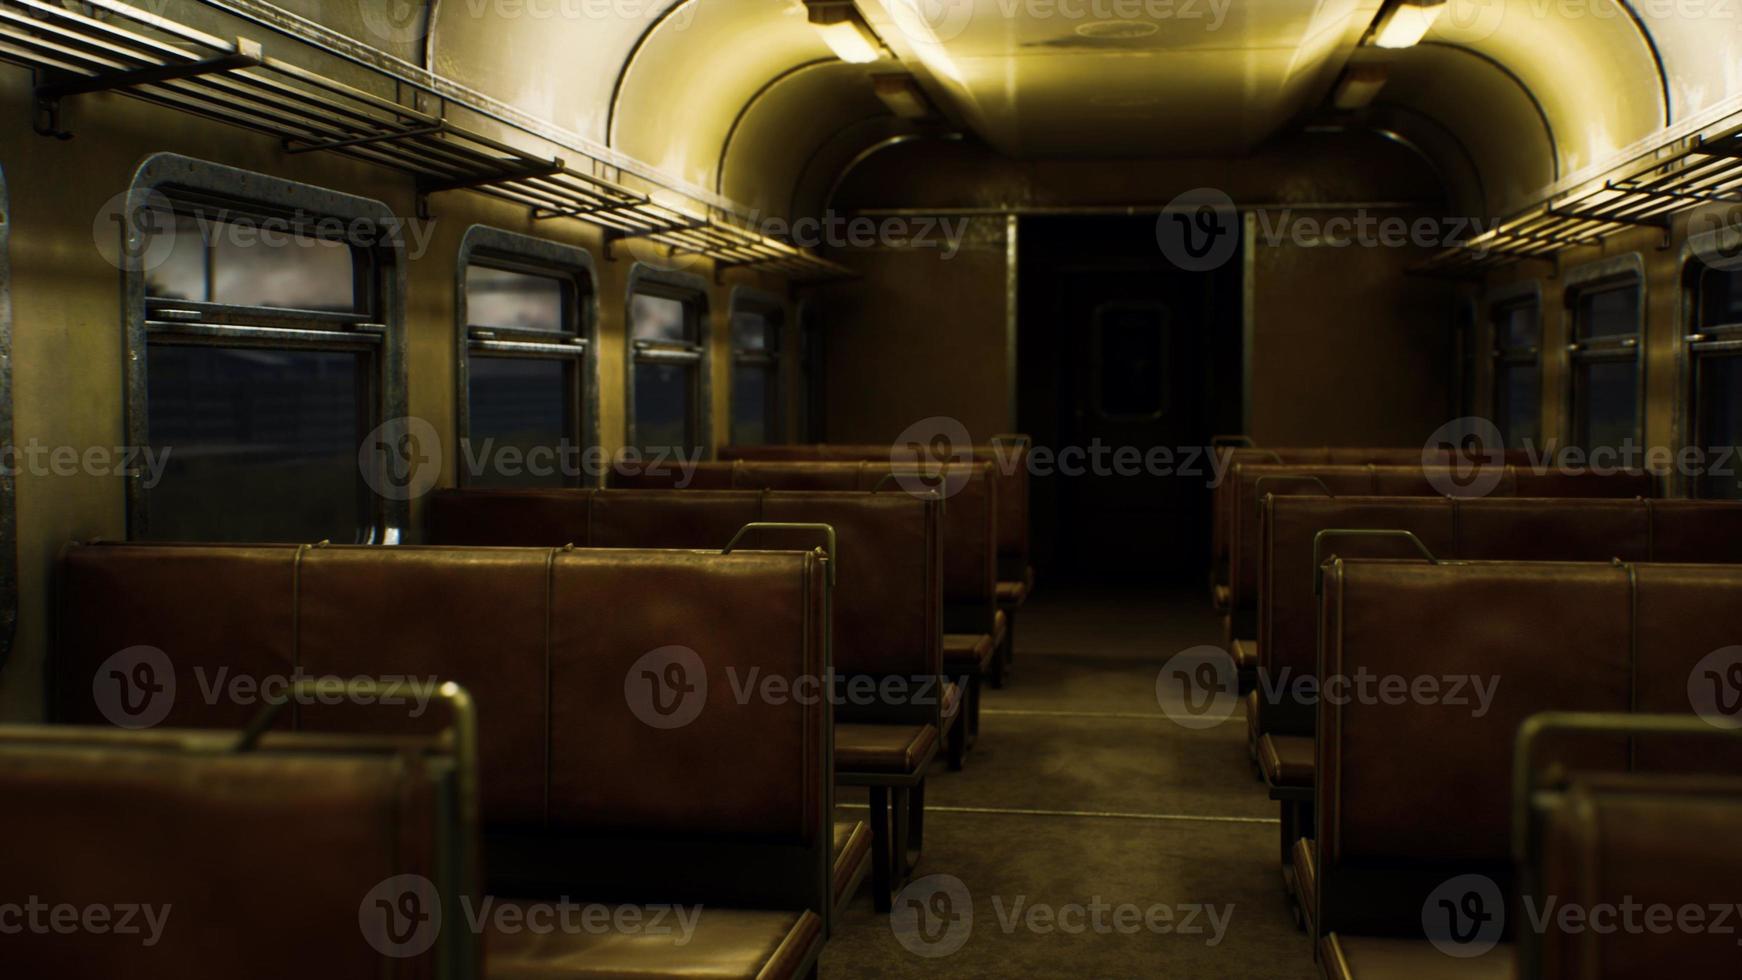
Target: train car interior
760,489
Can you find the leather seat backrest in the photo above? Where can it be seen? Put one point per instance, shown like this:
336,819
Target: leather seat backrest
1409,792
183,846
1648,842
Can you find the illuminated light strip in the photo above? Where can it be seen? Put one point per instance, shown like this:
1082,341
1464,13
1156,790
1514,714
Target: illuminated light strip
1039,713
1093,814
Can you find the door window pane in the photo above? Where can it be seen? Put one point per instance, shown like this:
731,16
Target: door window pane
1605,402
660,318
262,444
516,300
520,418
752,331
664,406
1515,326
1133,361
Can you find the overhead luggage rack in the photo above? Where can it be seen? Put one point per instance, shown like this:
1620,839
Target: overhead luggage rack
1649,191
234,81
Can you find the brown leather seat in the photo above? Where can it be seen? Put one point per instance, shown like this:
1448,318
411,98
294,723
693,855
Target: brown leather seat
1287,760
173,833
727,944
850,854
1245,653
1304,881
1371,958
966,652
578,783
1012,593
861,748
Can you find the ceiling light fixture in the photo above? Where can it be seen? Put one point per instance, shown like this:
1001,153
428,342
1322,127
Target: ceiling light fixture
1406,22
844,31
1358,86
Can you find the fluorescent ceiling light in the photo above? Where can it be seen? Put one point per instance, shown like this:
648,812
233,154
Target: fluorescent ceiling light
845,32
903,96
1406,22
1358,86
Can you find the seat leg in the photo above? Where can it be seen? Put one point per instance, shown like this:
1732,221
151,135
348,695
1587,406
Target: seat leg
1288,832
971,708
882,861
957,737
915,827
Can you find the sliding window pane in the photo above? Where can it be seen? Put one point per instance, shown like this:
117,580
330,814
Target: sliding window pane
261,444
1515,327
264,264
660,318
751,410
520,420
753,332
1605,402
516,300
1608,313
1720,298
1518,390
1720,388
665,406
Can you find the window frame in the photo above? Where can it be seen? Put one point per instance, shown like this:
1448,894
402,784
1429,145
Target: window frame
1620,271
692,291
499,249
379,333
1696,341
1522,294
745,299
8,477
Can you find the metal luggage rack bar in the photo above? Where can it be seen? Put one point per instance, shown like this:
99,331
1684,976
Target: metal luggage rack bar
234,81
1648,191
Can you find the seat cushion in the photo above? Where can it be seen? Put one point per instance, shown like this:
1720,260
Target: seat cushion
727,943
968,652
1287,760
894,748
1370,958
1012,594
850,855
1245,654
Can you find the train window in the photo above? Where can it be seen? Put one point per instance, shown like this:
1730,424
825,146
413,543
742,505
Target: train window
1604,370
231,262
1464,359
526,398
756,390
263,348
1715,369
1131,344
810,364
1518,370
668,381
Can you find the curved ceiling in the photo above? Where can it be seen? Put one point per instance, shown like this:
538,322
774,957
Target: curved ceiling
743,96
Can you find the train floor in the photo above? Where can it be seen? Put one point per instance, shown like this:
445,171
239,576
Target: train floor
1089,836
